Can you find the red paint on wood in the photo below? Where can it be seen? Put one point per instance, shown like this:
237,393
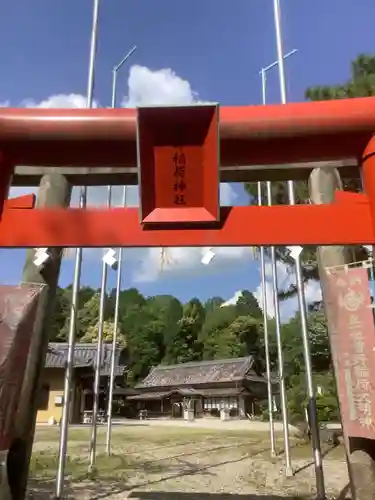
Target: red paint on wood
178,160
238,226
25,201
6,172
348,196
250,135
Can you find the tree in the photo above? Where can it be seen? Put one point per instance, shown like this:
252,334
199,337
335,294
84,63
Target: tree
246,332
361,83
62,311
129,300
195,310
325,387
91,334
215,338
212,304
291,333
168,310
247,304
145,342
226,334
184,346
319,342
326,397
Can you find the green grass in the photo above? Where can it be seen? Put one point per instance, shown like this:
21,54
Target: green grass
155,435
134,449
113,468
151,450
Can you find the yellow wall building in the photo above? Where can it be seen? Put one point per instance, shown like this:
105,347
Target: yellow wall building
52,388
51,391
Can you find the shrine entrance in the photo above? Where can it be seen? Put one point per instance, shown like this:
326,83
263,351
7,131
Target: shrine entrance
182,154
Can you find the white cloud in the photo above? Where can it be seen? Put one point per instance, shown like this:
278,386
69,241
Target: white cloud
67,101
286,277
149,87
313,292
233,300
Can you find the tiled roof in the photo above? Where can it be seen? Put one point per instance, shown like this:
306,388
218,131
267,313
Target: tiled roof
223,392
84,356
195,373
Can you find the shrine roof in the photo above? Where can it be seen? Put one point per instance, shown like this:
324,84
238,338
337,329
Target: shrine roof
84,356
202,372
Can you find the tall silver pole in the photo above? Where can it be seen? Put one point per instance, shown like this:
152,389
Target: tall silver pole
266,344
263,74
77,279
114,88
114,344
114,74
314,425
93,47
99,353
119,272
69,368
279,44
280,357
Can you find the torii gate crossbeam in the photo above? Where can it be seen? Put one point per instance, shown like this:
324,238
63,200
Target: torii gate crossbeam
249,135
183,210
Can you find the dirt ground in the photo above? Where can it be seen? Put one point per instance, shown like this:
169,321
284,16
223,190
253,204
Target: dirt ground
168,463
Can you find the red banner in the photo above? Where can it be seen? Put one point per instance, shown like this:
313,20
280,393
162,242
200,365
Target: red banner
353,349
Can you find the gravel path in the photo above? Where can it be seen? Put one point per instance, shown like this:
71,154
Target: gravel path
232,472
193,466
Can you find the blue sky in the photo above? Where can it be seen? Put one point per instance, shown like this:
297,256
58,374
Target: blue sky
216,46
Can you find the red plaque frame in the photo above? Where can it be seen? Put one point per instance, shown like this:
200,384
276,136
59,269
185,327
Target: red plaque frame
178,161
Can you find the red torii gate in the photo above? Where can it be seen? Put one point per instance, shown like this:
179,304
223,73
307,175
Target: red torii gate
196,140
178,151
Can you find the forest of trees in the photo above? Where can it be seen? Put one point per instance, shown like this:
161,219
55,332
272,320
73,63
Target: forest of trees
161,329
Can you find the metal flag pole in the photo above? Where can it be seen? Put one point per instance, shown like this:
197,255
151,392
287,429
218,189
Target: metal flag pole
270,66
114,343
280,357
119,275
114,74
266,336
263,74
98,359
312,413
77,279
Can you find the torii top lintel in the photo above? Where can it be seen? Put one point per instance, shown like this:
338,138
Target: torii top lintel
249,135
178,151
